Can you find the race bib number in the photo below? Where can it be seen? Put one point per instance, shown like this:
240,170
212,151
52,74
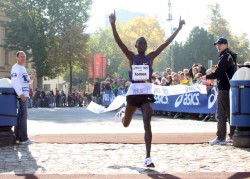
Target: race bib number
140,72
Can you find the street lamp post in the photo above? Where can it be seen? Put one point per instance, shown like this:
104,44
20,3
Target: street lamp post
170,19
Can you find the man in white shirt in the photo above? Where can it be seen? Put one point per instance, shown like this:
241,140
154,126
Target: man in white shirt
20,82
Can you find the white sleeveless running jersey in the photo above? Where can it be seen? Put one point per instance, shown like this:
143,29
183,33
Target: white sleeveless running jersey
20,80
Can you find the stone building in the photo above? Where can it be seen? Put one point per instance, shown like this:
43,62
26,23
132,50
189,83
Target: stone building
7,57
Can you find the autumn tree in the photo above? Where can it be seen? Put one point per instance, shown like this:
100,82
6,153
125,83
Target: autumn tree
68,51
199,46
39,25
219,27
143,27
102,41
197,49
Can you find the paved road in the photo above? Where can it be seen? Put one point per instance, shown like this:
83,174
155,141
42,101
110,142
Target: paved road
43,158
80,120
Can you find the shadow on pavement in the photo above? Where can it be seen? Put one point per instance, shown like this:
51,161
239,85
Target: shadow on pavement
18,160
138,169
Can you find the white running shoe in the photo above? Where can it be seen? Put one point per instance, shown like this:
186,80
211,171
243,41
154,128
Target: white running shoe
229,140
217,142
27,142
119,115
149,163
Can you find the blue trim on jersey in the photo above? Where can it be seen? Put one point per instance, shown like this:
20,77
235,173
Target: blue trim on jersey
13,74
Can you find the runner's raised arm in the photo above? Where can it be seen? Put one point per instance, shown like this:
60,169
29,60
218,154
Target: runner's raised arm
129,54
154,54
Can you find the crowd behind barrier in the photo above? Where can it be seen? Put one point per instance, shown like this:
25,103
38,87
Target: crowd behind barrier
44,99
105,91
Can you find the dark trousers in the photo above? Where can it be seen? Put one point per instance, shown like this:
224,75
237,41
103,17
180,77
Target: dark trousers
21,128
57,101
223,115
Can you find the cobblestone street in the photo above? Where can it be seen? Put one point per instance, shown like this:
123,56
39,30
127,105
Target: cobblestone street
121,158
103,158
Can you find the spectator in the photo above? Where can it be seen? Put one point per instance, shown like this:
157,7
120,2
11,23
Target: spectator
163,81
63,99
97,92
127,84
30,99
199,79
155,81
169,80
169,71
164,74
42,97
37,98
57,97
222,73
195,70
157,76
201,69
175,80
20,82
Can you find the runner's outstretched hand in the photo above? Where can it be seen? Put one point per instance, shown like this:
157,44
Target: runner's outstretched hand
181,23
112,18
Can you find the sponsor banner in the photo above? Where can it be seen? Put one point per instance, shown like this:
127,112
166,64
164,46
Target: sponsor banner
108,97
97,66
140,88
90,69
116,103
193,102
181,89
96,108
104,66
149,88
100,66
121,92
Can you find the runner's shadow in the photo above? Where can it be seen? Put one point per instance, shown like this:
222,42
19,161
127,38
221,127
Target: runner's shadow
240,175
138,169
161,176
152,173
246,149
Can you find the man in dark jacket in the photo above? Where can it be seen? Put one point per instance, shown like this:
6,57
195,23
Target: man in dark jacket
223,74
97,92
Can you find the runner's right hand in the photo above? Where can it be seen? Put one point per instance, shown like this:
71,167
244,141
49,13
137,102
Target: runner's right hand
112,18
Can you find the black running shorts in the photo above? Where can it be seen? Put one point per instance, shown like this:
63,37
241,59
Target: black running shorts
139,100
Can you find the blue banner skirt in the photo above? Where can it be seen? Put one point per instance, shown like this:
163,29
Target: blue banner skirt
194,102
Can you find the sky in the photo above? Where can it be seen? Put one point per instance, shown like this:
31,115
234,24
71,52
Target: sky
194,12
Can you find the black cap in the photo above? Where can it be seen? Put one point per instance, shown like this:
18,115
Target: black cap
221,41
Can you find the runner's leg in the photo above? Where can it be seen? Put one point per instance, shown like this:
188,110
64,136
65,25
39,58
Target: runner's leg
147,114
129,113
